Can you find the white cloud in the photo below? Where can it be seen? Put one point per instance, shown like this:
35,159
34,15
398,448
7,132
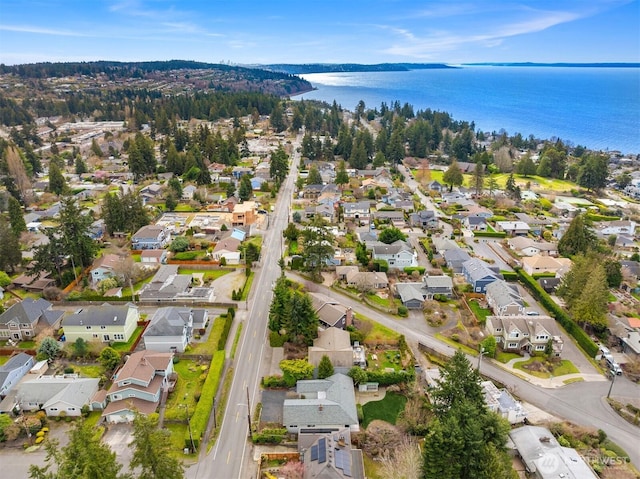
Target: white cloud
41,30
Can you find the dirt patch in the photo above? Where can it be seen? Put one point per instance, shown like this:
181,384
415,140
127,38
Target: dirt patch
379,438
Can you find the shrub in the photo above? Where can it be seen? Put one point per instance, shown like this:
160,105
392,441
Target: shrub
276,340
276,381
186,256
403,311
411,269
202,411
228,321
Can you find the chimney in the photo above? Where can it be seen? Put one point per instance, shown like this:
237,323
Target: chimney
320,407
349,317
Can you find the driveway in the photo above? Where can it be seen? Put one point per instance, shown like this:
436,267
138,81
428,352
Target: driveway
272,402
118,437
224,285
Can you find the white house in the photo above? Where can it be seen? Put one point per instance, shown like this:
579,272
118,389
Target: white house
104,323
170,330
398,254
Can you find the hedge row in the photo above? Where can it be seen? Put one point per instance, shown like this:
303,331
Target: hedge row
202,412
582,338
411,269
222,341
594,217
509,275
490,234
387,379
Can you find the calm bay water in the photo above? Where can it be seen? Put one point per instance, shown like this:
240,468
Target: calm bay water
595,107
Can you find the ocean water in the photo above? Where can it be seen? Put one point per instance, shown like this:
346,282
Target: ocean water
595,107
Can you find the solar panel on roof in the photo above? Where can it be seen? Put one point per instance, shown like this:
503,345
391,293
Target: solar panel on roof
322,451
347,467
314,453
339,459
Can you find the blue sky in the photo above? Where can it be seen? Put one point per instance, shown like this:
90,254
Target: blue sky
358,31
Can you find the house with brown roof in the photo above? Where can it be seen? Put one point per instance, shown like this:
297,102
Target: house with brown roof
330,312
138,386
336,345
538,264
107,266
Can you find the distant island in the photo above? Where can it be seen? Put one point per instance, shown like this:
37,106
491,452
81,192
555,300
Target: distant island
575,65
298,69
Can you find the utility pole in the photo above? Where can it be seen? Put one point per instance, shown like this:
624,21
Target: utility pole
248,412
613,380
482,352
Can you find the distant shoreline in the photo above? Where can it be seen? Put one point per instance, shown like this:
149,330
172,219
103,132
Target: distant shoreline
555,65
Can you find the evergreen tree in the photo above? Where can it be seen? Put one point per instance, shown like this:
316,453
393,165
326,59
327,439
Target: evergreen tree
593,172
325,368
84,457
279,166
314,177
591,306
245,190
302,326
279,309
16,218
81,166
57,183
465,439
579,238
152,458
453,175
342,178
478,178
526,166
510,186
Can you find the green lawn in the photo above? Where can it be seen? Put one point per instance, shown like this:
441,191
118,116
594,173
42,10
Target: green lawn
93,418
386,409
209,274
564,367
480,313
89,370
465,349
506,357
389,359
210,346
178,433
189,384
501,178
378,331
247,287
385,303
126,347
27,344
3,359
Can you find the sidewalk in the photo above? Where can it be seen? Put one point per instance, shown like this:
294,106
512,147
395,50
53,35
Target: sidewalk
552,382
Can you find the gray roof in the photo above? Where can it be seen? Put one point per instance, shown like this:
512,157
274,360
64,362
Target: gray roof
478,269
102,315
327,401
476,220
49,389
16,361
456,254
504,294
394,248
543,455
27,311
441,281
169,321
410,291
167,283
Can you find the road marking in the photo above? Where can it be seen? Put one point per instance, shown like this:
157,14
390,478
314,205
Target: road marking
228,457
250,354
255,331
237,415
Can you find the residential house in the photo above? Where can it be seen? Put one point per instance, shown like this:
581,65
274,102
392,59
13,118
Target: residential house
528,247
524,333
455,257
442,244
36,284
168,285
504,299
244,214
475,223
322,404
329,455
502,403
13,371
536,225
423,219
311,192
336,345
153,256
479,274
151,192
330,312
398,254
367,280
137,385
475,210
413,295
188,192
170,330
396,218
56,395
549,284
631,344
513,228
545,458
239,171
631,269
539,264
227,249
436,186
357,212
150,237
107,266
623,227
104,323
24,320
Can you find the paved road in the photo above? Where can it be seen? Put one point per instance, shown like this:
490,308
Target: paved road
231,455
582,403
